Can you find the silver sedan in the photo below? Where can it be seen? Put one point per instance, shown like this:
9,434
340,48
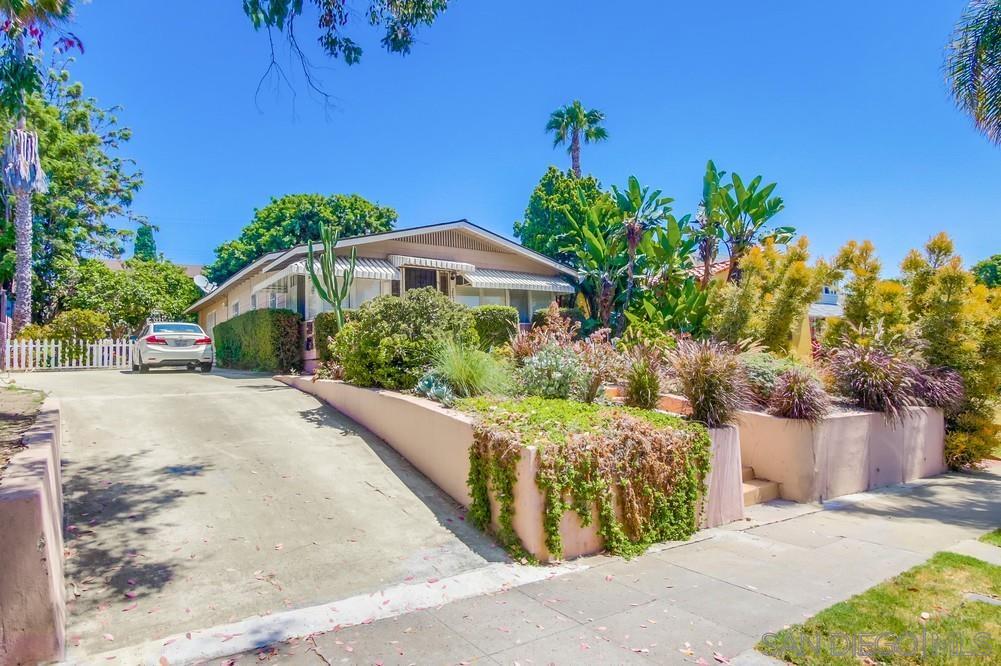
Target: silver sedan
167,343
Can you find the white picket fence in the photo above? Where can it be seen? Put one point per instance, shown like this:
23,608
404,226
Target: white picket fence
66,354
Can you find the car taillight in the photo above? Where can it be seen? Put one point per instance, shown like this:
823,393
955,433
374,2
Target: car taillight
204,341
156,340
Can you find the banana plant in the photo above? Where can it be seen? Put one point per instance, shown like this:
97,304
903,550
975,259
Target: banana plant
330,288
745,210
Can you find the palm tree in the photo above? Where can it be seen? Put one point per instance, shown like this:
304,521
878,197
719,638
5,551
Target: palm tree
973,65
22,168
570,124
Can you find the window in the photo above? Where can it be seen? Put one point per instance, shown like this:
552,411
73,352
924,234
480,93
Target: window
236,308
363,289
467,296
416,278
281,301
177,328
272,300
253,301
493,297
210,320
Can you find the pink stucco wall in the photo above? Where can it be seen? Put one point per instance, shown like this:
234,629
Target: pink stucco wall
436,440
843,454
32,594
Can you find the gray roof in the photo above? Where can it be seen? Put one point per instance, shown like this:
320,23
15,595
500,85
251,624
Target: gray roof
822,311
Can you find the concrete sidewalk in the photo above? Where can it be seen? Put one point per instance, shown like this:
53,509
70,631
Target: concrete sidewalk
702,601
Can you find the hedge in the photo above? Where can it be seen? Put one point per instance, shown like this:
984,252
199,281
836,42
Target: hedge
495,324
266,340
325,327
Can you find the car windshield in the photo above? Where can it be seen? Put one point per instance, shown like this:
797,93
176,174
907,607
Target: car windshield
177,328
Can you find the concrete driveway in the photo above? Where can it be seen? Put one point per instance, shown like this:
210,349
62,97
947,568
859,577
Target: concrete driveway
195,500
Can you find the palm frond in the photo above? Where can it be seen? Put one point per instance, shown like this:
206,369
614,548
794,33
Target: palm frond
973,65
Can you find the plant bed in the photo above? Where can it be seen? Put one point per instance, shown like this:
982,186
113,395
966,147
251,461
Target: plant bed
32,595
513,487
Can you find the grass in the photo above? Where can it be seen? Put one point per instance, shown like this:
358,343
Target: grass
928,600
541,420
993,538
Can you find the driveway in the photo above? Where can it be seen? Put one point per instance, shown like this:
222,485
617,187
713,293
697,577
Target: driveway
195,500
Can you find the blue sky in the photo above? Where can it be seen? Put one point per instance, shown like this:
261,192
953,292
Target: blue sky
843,104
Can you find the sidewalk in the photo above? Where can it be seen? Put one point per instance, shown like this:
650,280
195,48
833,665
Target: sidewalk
710,599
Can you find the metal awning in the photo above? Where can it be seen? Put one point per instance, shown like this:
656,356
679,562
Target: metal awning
487,278
373,269
425,262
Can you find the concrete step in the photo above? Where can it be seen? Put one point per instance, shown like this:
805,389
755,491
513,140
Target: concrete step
757,491
747,473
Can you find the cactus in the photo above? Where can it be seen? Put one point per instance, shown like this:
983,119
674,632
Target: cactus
332,289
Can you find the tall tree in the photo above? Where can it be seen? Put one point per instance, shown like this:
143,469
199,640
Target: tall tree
558,200
145,245
988,271
296,219
572,123
399,21
90,183
25,24
973,65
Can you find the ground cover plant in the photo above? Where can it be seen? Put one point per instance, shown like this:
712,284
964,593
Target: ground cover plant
918,615
993,538
590,454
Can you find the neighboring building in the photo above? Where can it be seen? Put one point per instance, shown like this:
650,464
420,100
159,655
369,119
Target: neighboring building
191,270
466,262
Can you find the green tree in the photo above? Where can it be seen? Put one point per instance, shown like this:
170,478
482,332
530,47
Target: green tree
25,22
642,211
973,65
145,245
601,259
89,183
131,295
295,219
570,124
709,219
557,200
988,271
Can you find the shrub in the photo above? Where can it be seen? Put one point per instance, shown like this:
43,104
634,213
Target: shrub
328,370
600,363
553,372
391,341
79,325
711,376
940,387
34,332
555,330
540,316
469,372
324,330
763,370
643,377
266,340
495,324
798,395
874,379
973,439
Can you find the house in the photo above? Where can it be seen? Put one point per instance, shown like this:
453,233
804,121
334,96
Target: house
468,263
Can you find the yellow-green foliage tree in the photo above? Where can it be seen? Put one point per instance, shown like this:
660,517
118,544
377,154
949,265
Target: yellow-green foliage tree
959,322
868,299
771,299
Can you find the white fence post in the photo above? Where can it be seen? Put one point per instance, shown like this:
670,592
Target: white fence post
66,354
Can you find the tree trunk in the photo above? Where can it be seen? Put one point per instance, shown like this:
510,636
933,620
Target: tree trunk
575,153
22,265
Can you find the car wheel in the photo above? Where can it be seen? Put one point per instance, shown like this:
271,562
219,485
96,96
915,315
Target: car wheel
135,367
206,367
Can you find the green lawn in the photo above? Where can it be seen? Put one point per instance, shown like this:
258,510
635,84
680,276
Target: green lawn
927,601
993,538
